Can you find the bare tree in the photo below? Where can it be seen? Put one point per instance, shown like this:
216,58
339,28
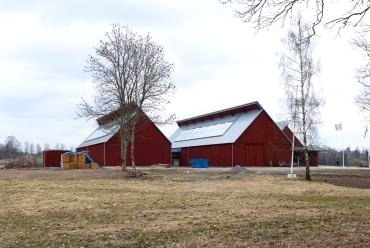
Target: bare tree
339,13
38,149
264,13
12,147
132,78
298,68
32,148
46,147
26,147
60,146
363,77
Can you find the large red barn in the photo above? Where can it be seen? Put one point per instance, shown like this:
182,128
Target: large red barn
243,135
151,145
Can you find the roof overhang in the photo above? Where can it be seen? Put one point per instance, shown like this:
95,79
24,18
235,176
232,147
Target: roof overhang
302,149
221,113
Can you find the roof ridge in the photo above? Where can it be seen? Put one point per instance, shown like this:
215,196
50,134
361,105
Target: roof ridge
226,111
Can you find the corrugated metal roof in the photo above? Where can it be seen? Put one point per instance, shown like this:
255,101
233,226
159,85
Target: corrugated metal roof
100,135
228,130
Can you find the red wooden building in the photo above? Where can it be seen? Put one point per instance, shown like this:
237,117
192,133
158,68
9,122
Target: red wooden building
151,145
243,135
51,158
313,156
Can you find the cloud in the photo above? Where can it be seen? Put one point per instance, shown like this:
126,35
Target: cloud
219,62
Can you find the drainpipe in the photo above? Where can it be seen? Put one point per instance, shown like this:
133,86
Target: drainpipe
232,154
188,156
104,153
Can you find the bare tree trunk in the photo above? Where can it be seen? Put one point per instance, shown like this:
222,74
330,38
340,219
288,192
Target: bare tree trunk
123,151
308,175
306,160
133,148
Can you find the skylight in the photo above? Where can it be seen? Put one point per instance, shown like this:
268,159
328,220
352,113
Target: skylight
101,132
204,132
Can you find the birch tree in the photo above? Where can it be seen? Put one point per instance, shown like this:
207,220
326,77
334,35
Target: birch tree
298,69
132,80
363,77
341,13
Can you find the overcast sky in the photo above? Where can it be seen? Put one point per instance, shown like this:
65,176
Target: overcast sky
219,62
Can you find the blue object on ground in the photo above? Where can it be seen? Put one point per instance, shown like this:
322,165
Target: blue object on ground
199,163
88,159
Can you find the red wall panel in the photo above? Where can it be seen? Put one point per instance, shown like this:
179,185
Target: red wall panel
151,147
313,158
96,152
217,155
52,158
262,143
288,133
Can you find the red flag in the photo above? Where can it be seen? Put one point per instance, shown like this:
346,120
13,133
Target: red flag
338,127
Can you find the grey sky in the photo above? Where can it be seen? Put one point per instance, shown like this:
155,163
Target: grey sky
219,62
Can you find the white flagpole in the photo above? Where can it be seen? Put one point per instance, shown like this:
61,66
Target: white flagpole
342,147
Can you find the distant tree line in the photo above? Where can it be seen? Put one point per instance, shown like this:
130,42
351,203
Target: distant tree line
356,157
13,148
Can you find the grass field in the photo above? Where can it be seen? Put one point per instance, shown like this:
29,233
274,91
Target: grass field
183,208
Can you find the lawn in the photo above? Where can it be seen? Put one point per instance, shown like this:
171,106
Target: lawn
182,208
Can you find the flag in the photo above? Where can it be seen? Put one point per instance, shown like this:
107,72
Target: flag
338,127
365,132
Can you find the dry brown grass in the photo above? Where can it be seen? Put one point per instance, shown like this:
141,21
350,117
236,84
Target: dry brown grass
177,208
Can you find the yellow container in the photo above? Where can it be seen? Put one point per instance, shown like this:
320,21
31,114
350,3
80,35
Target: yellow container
94,166
69,165
81,158
73,158
66,166
77,161
64,158
81,166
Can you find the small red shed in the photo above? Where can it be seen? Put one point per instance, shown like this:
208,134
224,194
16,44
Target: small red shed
243,135
51,158
151,145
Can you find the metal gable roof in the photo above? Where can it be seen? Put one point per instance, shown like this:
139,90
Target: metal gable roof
282,124
100,135
221,113
220,130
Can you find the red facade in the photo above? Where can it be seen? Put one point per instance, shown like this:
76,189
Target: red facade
261,144
289,134
313,157
51,158
151,147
